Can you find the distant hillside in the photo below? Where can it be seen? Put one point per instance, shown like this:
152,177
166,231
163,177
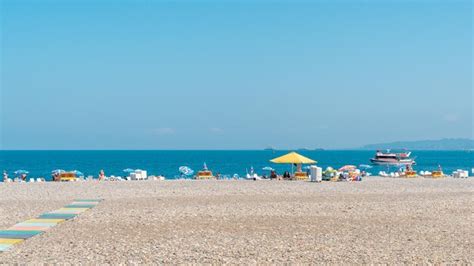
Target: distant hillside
442,144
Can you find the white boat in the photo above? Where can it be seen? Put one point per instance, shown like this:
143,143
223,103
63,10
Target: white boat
390,158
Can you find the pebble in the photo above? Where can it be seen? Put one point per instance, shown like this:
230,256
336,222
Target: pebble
376,221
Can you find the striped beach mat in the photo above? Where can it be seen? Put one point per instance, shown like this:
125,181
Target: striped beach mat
29,228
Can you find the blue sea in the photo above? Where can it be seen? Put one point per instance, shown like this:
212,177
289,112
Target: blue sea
41,163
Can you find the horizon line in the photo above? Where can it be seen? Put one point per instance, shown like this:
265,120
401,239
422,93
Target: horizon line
189,149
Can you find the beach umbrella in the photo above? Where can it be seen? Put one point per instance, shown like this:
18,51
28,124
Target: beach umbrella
347,168
58,171
21,172
186,170
268,168
78,173
293,158
128,170
205,166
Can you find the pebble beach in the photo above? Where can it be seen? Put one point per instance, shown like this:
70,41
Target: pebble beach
378,220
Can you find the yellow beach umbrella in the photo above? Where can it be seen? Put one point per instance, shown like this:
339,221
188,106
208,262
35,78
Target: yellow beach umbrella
293,158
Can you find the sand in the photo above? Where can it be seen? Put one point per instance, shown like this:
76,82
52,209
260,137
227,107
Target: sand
375,221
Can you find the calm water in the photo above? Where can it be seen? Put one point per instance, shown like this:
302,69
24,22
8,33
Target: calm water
41,163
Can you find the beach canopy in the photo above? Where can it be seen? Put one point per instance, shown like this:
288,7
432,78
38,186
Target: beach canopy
21,172
186,170
293,157
58,171
347,168
78,173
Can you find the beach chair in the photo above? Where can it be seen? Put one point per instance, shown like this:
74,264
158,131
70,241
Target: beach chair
66,177
410,174
205,174
437,174
300,176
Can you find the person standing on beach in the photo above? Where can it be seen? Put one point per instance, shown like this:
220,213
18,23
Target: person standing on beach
101,175
5,176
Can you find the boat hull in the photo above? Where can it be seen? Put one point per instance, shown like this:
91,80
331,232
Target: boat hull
392,162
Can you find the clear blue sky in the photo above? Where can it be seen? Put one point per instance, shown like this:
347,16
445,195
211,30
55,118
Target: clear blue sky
233,74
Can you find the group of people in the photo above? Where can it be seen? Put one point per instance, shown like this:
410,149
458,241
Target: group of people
274,175
22,176
56,176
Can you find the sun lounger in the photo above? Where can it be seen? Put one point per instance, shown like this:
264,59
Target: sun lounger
300,176
437,174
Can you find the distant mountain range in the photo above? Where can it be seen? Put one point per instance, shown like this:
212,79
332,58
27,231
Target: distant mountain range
442,144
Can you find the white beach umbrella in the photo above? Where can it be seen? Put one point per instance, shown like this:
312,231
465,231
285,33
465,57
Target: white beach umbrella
21,172
58,171
186,170
78,173
267,168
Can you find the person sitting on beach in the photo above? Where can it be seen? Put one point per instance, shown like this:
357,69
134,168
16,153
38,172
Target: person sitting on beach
286,175
273,175
23,177
55,177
